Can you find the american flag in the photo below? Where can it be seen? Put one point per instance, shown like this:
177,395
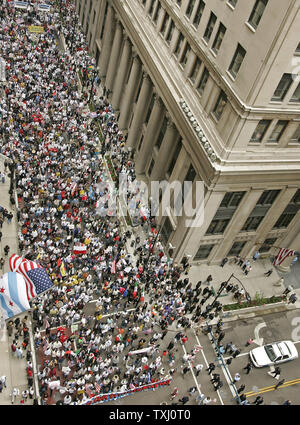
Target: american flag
36,277
282,255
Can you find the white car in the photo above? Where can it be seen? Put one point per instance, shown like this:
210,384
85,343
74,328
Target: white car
273,354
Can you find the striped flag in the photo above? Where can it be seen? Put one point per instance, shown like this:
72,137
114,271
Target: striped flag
35,276
79,249
113,268
13,296
73,188
97,387
282,255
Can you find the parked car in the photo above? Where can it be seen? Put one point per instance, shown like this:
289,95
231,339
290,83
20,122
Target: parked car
273,354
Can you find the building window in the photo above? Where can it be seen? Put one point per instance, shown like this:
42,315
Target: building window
203,81
219,38
220,105
278,131
289,213
170,32
225,212
258,213
175,156
156,14
166,230
161,133
217,227
232,3
237,60
150,109
151,167
260,131
203,252
257,12
178,45
185,55
267,245
232,199
296,95
210,27
283,87
198,14
164,23
296,136
195,69
151,8
190,8
236,248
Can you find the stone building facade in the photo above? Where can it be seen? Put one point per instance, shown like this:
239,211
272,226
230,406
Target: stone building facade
209,91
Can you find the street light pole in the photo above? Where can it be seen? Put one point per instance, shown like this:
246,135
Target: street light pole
223,286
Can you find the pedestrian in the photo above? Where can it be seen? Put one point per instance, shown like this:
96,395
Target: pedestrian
210,368
269,272
258,400
241,389
224,261
14,394
292,299
3,381
279,384
287,403
207,400
236,353
256,255
170,346
200,397
174,393
248,368
221,336
228,346
215,378
6,250
185,370
289,289
219,385
236,378
249,342
10,327
192,390
184,400
198,367
276,372
229,361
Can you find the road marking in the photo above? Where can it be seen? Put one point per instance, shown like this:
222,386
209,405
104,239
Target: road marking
191,368
206,362
257,340
272,387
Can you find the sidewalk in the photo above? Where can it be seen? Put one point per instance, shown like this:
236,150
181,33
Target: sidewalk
14,369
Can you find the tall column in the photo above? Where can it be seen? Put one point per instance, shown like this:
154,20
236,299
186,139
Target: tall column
121,74
139,111
128,98
107,42
170,137
115,54
150,136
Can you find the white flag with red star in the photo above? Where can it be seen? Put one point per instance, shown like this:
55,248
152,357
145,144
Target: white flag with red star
13,295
